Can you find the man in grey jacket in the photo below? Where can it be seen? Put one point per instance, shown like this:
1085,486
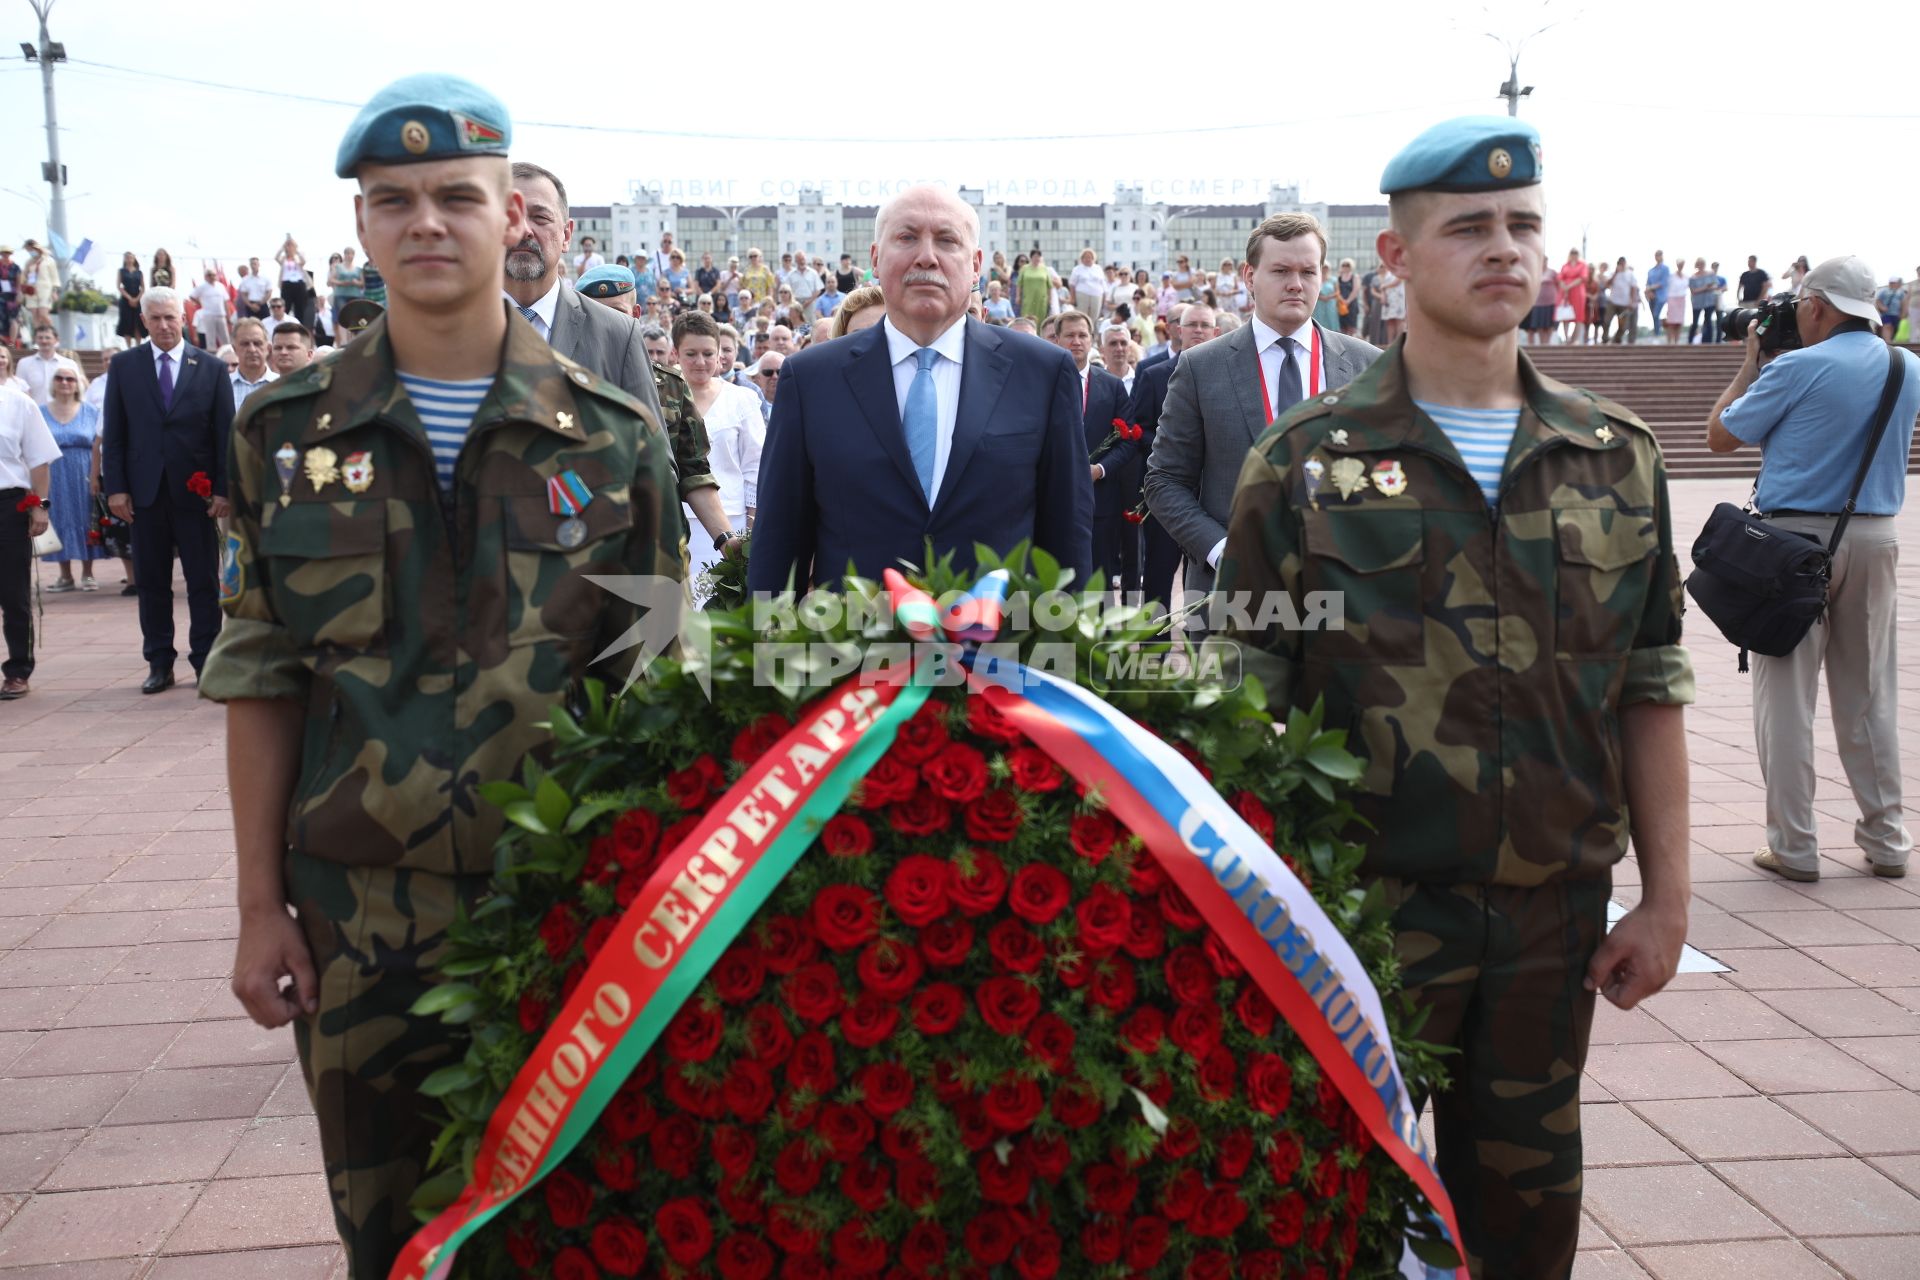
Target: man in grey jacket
1225,392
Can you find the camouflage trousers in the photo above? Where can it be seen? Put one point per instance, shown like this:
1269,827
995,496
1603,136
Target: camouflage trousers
375,933
1500,972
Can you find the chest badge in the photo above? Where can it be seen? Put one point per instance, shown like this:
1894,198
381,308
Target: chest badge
321,469
1388,477
285,460
568,495
1315,472
323,423
564,421
1604,435
1349,476
357,471
1338,436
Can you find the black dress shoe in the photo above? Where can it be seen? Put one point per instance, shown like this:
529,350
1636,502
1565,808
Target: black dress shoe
158,682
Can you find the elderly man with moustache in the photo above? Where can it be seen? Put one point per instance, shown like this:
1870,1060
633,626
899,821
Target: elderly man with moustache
930,426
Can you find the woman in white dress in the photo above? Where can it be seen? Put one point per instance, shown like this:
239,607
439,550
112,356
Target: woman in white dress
1392,293
735,430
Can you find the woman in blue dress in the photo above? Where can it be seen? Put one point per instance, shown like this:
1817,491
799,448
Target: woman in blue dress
76,429
1326,310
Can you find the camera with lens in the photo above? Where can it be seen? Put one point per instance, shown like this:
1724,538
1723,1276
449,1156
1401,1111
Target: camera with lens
1779,331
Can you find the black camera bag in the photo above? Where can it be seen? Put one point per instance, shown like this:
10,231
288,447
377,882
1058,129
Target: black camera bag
1764,586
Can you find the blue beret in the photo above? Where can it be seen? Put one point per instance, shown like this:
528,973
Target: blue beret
605,282
425,117
1472,153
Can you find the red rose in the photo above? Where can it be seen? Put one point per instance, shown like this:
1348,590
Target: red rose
1075,1106
1146,1241
1007,1004
788,1229
985,719
1217,1074
976,1131
684,1230
921,814
1234,1154
574,1263
1286,1220
846,836
559,931
1038,1256
917,889
760,737
1354,1130
869,1021
924,1247
1210,1264
885,1088
1190,979
1092,835
1049,1155
1221,957
922,736
990,1237
1264,1264
1101,1241
1269,1083
798,1167
734,1148
1196,1028
743,1256
1013,1104
1146,933
814,993
628,1116
1219,1213
740,974
634,834
523,1246
619,1246
916,1182
199,486
946,1081
597,934
617,1170
533,1013
845,916
768,1039
1254,814
811,1065
857,1249
847,1130
866,1181
1193,758
1050,1040
946,942
937,1009
1032,769
786,943
889,969
1103,917
957,772
1114,987
687,788
696,1095
693,1034
977,890
1255,1011
1328,1105
1038,893
994,816
1143,1030
1014,947
1177,909
1181,1194
1003,1182
748,1090
569,1198
888,782
1146,876
1111,1189
1284,1160
1358,1183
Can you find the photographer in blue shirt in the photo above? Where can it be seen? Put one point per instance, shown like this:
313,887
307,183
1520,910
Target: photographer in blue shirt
1811,410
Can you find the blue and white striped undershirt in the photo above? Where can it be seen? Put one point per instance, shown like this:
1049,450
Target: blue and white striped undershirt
446,410
1482,436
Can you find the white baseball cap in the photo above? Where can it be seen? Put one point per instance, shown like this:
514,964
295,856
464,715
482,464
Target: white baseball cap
1845,284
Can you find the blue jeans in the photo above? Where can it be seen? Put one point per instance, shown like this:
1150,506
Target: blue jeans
1712,318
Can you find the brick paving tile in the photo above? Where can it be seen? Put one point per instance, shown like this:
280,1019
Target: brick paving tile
105,1269
1633,1026
41,900
1696,1016
88,1050
1794,1066
78,1225
1820,926
27,1158
1904,1170
205,1093
1742,897
256,1213
78,965
1712,930
1871,1124
1873,965
131,1155
1871,1257
1906,997
9,1203
13,1044
138,896
1855,1012
1776,969
1825,1196
1634,1072
1671,1204
1896,922
59,871
167,961
230,1042
311,1262
54,1102
1857,893
193,923
1736,1128
289,1144
123,1003
15,930
1611,1133
1606,1264
1735,1260
289,1097
109,930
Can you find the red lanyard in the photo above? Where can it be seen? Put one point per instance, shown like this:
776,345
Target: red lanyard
1313,378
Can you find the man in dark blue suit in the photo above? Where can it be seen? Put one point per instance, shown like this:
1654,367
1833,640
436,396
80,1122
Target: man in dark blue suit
927,425
1103,398
169,409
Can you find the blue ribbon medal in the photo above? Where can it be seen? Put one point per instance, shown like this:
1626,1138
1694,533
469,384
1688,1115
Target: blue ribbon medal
568,495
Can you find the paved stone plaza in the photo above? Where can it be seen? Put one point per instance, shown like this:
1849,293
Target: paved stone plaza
1762,1122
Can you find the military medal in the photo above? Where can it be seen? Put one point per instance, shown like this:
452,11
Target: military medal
568,495
285,459
1604,435
357,471
1349,476
1389,479
1315,471
320,468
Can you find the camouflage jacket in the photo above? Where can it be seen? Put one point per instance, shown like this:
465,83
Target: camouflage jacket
687,431
428,635
1485,652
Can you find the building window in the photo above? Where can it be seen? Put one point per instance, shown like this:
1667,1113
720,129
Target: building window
789,224
1056,224
809,227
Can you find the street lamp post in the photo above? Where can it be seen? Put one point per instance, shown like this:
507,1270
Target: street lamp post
48,53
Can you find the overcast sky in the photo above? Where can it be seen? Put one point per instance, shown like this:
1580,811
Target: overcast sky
1701,128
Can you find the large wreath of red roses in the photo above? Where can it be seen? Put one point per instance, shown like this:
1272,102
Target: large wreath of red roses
974,1033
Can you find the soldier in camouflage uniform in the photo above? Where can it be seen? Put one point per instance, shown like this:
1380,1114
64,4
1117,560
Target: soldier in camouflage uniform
404,608
1509,667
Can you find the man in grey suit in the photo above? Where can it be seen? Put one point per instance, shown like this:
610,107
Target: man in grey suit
598,337
1225,392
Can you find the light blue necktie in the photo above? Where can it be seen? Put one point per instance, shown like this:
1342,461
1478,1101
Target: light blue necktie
922,418
533,318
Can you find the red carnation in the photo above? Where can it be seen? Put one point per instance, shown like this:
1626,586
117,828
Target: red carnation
684,1230
814,993
743,1256
759,737
846,836
937,1009
1014,947
1032,769
917,889
1102,917
1013,1104
846,916
978,889
888,782
869,1021
199,486
1269,1083
1007,1004
889,969
921,814
93,538
574,1263
32,500
1038,893
995,816
985,719
693,1034
957,772
885,1088
1092,835
946,942
559,931
619,1246
569,1198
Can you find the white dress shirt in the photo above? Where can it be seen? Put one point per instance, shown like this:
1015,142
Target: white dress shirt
736,432
1266,340
952,346
1089,280
37,371
25,440
179,350
543,308
254,289
242,388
